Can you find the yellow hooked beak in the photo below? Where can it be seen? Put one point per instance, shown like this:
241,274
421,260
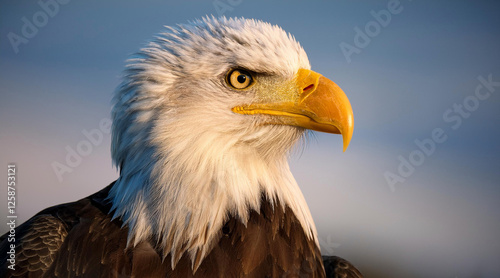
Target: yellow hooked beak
319,105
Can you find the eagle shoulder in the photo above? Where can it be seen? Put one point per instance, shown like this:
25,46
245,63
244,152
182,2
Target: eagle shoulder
337,267
40,239
64,227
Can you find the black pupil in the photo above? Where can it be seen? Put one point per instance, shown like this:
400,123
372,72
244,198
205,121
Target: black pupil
242,78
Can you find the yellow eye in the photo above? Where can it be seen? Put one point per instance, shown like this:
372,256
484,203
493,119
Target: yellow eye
239,79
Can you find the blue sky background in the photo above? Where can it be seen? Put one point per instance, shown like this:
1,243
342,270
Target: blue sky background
442,221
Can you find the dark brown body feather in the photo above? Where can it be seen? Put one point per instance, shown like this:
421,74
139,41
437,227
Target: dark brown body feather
80,240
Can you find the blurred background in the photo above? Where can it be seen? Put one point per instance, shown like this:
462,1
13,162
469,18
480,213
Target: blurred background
416,194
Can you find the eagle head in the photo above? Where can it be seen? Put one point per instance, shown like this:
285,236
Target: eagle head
202,124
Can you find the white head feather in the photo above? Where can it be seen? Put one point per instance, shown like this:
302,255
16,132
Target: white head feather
187,161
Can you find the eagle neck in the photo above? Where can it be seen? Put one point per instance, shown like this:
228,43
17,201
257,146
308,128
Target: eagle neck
182,200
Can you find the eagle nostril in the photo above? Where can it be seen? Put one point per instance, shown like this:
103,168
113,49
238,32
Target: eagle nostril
308,87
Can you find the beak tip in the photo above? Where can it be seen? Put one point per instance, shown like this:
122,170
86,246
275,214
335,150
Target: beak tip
347,136
346,142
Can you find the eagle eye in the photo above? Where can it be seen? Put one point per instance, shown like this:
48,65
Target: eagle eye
239,79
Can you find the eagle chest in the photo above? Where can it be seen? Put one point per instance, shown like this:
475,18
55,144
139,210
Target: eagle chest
271,244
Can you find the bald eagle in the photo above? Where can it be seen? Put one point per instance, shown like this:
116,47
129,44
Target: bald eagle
202,125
